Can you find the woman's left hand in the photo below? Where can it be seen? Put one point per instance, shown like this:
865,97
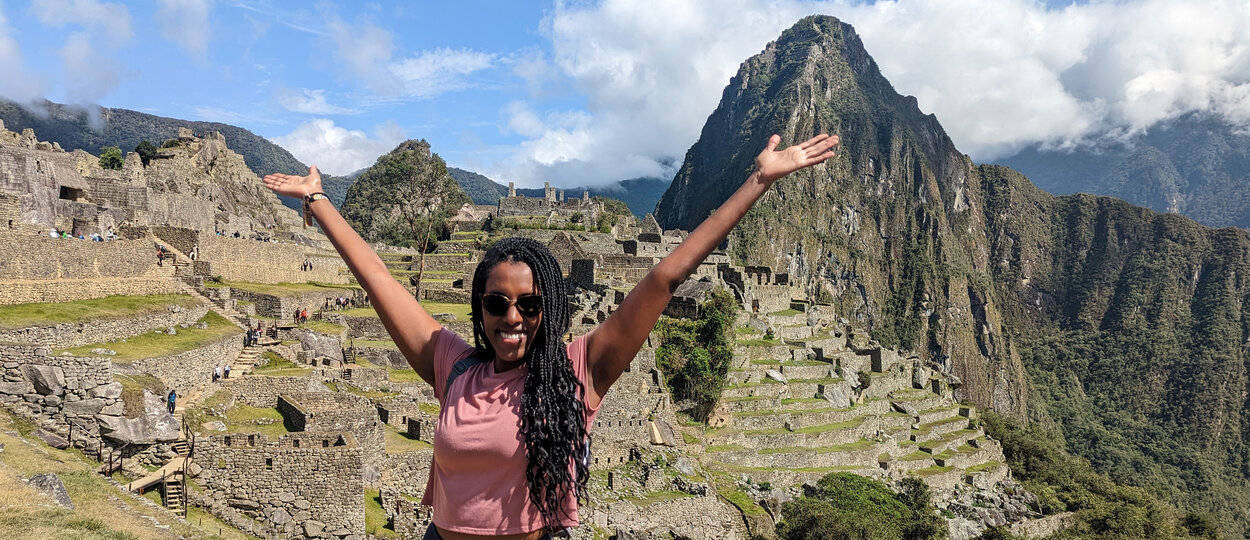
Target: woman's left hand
772,164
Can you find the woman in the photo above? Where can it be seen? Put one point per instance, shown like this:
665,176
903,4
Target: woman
512,435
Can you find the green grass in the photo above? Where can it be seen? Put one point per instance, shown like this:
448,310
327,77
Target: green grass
786,312
398,442
810,429
408,375
460,311
280,367
931,471
375,516
324,327
428,408
280,290
153,345
758,342
862,444
243,418
132,391
109,307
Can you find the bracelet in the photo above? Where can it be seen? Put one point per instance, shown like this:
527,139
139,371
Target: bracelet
308,200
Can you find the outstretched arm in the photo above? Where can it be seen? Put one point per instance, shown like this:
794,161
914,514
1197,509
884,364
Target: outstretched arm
412,328
612,345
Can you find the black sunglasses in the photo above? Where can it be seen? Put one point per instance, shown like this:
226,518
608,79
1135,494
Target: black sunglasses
497,304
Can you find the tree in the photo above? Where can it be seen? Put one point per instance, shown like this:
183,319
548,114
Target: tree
146,151
111,158
424,188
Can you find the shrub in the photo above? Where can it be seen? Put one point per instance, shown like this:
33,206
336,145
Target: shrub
111,157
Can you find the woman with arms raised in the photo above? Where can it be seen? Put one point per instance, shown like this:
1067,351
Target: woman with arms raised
512,436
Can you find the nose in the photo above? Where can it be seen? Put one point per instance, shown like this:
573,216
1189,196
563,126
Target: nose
513,315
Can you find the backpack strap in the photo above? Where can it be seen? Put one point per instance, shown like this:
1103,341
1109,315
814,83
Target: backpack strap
462,366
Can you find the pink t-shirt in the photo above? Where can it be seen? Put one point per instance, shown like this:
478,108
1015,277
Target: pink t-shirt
477,480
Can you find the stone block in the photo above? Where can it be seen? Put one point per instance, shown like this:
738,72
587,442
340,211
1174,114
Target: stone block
111,390
85,407
117,408
53,440
16,388
50,484
47,380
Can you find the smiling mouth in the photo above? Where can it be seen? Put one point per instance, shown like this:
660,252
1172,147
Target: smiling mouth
511,335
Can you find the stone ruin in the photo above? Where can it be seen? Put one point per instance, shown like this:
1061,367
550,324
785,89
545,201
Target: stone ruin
818,397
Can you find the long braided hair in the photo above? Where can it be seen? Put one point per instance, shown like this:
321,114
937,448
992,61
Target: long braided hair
553,419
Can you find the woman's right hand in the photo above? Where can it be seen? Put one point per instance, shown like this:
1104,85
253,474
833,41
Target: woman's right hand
295,186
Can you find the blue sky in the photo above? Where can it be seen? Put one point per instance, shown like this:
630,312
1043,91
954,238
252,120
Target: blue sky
590,92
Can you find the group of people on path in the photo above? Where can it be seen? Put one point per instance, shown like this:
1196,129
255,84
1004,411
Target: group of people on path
94,237
218,374
345,302
301,316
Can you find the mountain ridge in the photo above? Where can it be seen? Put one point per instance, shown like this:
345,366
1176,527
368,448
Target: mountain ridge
1122,327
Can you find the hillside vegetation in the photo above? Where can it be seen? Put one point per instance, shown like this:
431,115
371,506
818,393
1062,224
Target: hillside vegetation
1123,328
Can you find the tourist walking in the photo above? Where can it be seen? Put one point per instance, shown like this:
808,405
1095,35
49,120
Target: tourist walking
172,397
216,373
227,371
512,460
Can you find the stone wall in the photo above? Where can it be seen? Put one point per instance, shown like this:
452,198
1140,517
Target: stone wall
263,391
361,327
55,391
304,484
337,411
407,473
695,518
67,335
240,259
193,368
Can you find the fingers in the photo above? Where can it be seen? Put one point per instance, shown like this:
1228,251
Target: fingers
814,140
773,142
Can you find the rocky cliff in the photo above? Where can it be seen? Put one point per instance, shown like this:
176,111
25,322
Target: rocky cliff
1132,324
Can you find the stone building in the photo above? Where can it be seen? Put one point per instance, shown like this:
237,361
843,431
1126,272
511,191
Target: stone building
338,412
552,204
304,484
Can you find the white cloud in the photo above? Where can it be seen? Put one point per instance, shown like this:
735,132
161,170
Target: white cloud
18,83
433,72
338,150
103,19
88,57
312,102
94,74
999,74
368,51
186,23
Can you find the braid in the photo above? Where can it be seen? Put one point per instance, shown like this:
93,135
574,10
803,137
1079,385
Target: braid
553,417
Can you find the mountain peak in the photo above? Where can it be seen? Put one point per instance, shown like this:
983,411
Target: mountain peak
816,77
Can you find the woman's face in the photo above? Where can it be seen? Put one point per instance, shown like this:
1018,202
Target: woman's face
512,333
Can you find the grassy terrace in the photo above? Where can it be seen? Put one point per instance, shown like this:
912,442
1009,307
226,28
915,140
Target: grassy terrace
811,429
280,367
281,290
862,444
460,311
398,442
786,312
928,446
769,413
109,307
153,345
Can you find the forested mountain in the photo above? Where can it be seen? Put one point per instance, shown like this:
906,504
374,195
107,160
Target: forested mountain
1124,328
376,202
1197,165
75,129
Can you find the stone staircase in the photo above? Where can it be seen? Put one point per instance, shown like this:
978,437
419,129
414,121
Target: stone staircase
797,409
244,363
222,308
